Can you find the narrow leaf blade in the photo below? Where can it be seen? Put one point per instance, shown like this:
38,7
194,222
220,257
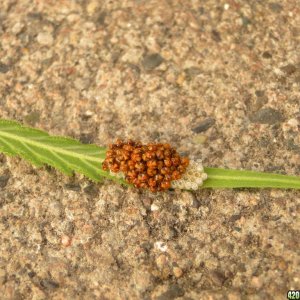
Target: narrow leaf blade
68,155
225,178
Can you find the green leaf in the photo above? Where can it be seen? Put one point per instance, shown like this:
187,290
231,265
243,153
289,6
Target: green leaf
68,155
223,178
62,153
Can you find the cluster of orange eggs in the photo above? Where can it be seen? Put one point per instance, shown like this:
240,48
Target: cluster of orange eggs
151,166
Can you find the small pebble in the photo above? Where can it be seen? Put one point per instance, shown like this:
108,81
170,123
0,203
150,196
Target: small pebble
289,69
32,118
152,61
49,284
161,246
147,202
266,115
17,28
55,208
267,55
173,292
3,180
256,282
45,38
180,79
282,265
204,125
275,7
66,241
154,207
4,68
216,36
217,277
177,272
161,261
2,276
92,7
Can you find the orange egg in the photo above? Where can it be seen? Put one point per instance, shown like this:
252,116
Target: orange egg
152,166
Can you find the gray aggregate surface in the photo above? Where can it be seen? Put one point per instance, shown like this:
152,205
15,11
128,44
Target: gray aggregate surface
219,80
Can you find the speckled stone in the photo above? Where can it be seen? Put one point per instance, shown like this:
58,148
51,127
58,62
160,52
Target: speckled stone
4,68
4,180
45,38
152,61
266,116
204,125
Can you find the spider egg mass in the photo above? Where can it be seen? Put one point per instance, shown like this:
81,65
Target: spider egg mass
156,167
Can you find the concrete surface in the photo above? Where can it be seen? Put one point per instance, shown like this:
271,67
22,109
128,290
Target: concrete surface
217,79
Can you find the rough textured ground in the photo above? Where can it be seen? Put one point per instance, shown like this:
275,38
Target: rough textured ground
217,79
